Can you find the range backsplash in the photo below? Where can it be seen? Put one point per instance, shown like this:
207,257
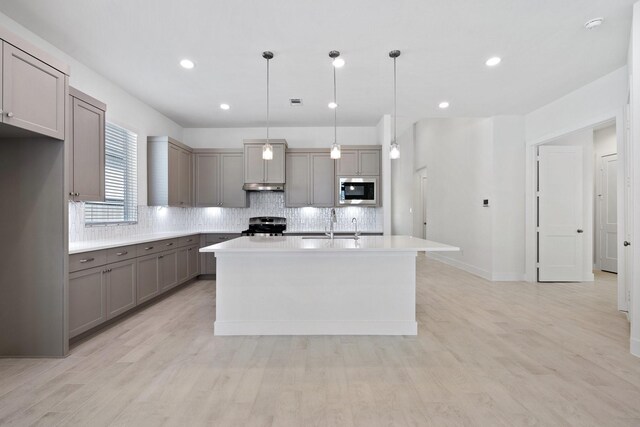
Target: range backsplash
153,219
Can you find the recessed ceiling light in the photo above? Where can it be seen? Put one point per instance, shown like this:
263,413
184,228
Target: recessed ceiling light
333,105
225,106
338,62
593,23
187,63
492,62
443,105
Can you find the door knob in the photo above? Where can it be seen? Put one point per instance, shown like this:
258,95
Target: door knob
580,230
627,243
9,114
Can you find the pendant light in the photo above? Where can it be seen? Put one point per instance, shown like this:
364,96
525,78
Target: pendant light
394,153
336,62
267,149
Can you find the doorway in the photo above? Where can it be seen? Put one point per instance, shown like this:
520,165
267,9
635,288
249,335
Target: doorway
606,201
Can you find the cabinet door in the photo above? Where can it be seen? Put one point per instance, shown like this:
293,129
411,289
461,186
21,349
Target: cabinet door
148,283
297,187
253,164
193,256
185,178
182,265
173,176
275,168
233,196
322,180
347,164
369,161
121,287
33,94
87,139
87,300
207,180
168,267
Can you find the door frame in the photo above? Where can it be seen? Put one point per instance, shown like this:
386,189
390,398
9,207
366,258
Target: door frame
531,241
599,209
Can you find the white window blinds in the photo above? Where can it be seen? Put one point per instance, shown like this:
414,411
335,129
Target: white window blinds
121,180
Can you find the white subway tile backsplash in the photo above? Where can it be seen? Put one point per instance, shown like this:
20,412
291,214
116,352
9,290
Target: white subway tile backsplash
153,219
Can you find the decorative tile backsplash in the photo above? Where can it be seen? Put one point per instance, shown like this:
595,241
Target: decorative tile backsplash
153,219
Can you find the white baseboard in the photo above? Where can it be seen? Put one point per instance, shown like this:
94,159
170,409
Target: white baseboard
461,265
320,327
635,347
508,277
589,277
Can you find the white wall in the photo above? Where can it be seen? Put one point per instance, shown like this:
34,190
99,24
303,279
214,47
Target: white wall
598,101
122,108
457,155
402,176
297,137
508,203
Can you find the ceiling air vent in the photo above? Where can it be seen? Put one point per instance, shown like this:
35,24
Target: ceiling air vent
295,102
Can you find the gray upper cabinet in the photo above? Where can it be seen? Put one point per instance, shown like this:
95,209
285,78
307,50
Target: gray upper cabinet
169,170
219,178
354,162
310,179
298,177
86,147
259,171
33,94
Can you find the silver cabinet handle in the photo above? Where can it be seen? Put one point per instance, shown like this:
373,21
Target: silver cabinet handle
190,240
169,244
148,248
82,261
9,114
121,253
627,243
579,230
189,249
161,256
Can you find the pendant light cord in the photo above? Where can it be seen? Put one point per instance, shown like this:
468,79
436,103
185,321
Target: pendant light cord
395,107
335,110
268,60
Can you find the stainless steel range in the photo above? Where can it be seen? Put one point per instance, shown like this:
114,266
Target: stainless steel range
266,226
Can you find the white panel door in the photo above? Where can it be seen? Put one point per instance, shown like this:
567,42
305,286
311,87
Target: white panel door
608,227
560,217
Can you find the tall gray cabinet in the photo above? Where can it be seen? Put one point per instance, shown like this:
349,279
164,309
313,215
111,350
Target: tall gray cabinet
86,153
218,178
169,172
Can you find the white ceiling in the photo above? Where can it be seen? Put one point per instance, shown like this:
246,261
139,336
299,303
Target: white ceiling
137,44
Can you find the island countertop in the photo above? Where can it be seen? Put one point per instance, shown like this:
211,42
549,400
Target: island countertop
310,244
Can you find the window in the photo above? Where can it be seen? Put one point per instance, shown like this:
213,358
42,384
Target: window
121,180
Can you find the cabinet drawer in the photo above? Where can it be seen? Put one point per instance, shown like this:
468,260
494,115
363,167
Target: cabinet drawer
86,260
120,254
188,240
155,247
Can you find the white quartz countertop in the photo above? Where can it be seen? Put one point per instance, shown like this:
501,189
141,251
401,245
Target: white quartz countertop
302,244
96,245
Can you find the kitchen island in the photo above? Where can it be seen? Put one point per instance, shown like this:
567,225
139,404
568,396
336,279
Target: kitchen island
295,285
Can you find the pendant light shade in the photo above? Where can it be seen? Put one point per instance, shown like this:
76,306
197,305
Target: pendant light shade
267,149
335,147
394,152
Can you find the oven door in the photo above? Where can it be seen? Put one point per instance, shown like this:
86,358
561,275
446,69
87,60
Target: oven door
358,191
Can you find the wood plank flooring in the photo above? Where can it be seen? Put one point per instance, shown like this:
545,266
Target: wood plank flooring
487,354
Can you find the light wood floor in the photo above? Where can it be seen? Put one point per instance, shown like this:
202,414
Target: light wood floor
490,354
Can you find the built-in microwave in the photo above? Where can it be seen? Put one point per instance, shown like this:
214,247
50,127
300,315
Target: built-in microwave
357,191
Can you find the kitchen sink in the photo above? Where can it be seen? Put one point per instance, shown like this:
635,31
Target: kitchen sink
328,238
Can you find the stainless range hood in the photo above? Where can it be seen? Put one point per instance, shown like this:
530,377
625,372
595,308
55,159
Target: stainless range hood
263,187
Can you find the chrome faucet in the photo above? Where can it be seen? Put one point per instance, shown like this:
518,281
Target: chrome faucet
332,220
356,234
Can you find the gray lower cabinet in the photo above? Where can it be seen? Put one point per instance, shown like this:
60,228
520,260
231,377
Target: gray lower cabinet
168,268
218,179
33,94
208,260
86,147
121,287
87,300
182,264
310,179
193,261
148,283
